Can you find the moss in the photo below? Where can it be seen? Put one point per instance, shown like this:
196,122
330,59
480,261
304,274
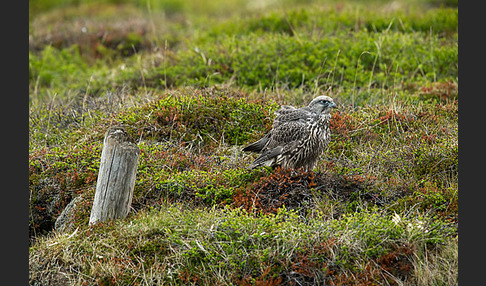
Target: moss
204,118
363,60
238,243
433,160
432,198
55,177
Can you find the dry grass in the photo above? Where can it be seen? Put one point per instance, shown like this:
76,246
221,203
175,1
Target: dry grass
436,267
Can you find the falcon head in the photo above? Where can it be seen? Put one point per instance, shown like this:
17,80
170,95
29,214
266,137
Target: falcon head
322,104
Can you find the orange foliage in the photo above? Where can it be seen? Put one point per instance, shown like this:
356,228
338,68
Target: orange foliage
263,280
341,124
283,187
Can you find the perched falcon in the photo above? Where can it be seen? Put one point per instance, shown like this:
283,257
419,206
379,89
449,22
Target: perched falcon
297,138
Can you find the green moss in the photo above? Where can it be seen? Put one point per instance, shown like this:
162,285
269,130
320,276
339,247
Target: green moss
374,60
214,187
54,68
233,245
440,159
443,201
207,117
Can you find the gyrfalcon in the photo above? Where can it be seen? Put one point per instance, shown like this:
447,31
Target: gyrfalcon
297,138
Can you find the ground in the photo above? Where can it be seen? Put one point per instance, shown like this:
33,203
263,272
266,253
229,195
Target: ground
192,84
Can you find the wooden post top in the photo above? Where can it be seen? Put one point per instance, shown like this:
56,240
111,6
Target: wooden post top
120,135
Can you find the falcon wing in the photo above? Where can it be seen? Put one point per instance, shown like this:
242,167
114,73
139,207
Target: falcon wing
285,138
285,117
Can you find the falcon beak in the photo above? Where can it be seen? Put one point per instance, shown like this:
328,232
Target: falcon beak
332,104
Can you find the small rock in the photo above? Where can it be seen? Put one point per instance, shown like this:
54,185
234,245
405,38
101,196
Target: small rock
65,221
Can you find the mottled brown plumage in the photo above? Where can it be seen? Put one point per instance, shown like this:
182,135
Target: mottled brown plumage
298,136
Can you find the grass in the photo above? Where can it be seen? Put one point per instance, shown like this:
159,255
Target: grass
191,84
171,244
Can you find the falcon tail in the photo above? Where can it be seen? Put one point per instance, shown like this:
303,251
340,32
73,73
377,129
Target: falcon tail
258,145
268,158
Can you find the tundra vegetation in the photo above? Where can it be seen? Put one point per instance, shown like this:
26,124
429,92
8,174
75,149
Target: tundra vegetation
194,81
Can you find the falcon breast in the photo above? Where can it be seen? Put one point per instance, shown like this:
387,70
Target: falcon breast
297,138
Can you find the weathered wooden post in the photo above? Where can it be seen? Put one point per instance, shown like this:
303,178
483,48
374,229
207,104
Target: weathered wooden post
116,177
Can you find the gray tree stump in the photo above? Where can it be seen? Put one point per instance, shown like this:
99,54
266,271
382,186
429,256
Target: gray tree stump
116,177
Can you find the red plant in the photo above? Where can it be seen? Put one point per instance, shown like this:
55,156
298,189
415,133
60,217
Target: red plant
262,280
397,262
283,187
341,123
